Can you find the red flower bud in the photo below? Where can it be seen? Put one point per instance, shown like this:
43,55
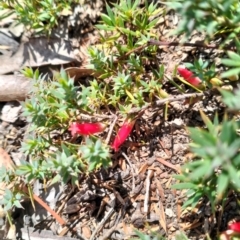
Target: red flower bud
86,128
189,76
235,227
122,134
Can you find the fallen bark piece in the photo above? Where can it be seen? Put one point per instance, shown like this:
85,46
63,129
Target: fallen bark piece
14,87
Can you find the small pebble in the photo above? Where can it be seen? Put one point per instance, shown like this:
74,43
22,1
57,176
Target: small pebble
169,212
10,112
178,123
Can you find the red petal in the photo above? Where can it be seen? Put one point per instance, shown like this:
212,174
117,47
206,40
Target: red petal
85,128
189,76
122,134
235,227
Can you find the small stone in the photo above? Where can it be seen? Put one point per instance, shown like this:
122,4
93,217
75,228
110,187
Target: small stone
209,109
177,122
10,112
172,229
169,212
179,53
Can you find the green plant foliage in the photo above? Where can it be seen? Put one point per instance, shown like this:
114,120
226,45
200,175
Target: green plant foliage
232,99
211,17
95,153
120,64
121,58
127,75
203,69
152,236
11,199
40,16
52,107
216,169
233,62
156,236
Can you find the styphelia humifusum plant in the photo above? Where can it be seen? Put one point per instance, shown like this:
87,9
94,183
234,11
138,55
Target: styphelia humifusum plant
86,128
235,227
123,134
233,231
189,76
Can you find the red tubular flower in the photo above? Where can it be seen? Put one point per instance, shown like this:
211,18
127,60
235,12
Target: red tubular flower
122,134
235,227
86,128
233,231
189,76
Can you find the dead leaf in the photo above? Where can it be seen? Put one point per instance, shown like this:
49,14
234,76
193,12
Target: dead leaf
38,52
160,211
12,232
66,12
122,164
86,232
158,171
194,224
63,231
5,160
168,164
169,183
124,227
165,149
162,217
76,72
190,210
58,218
142,197
104,202
143,168
160,190
179,209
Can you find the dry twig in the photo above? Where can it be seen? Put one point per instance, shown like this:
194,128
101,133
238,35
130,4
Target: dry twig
106,217
132,170
168,164
53,213
44,205
161,102
111,130
187,44
162,217
148,183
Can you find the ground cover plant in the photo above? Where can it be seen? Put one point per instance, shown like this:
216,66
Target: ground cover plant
37,16
78,128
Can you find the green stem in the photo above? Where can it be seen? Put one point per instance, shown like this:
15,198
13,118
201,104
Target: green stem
9,219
